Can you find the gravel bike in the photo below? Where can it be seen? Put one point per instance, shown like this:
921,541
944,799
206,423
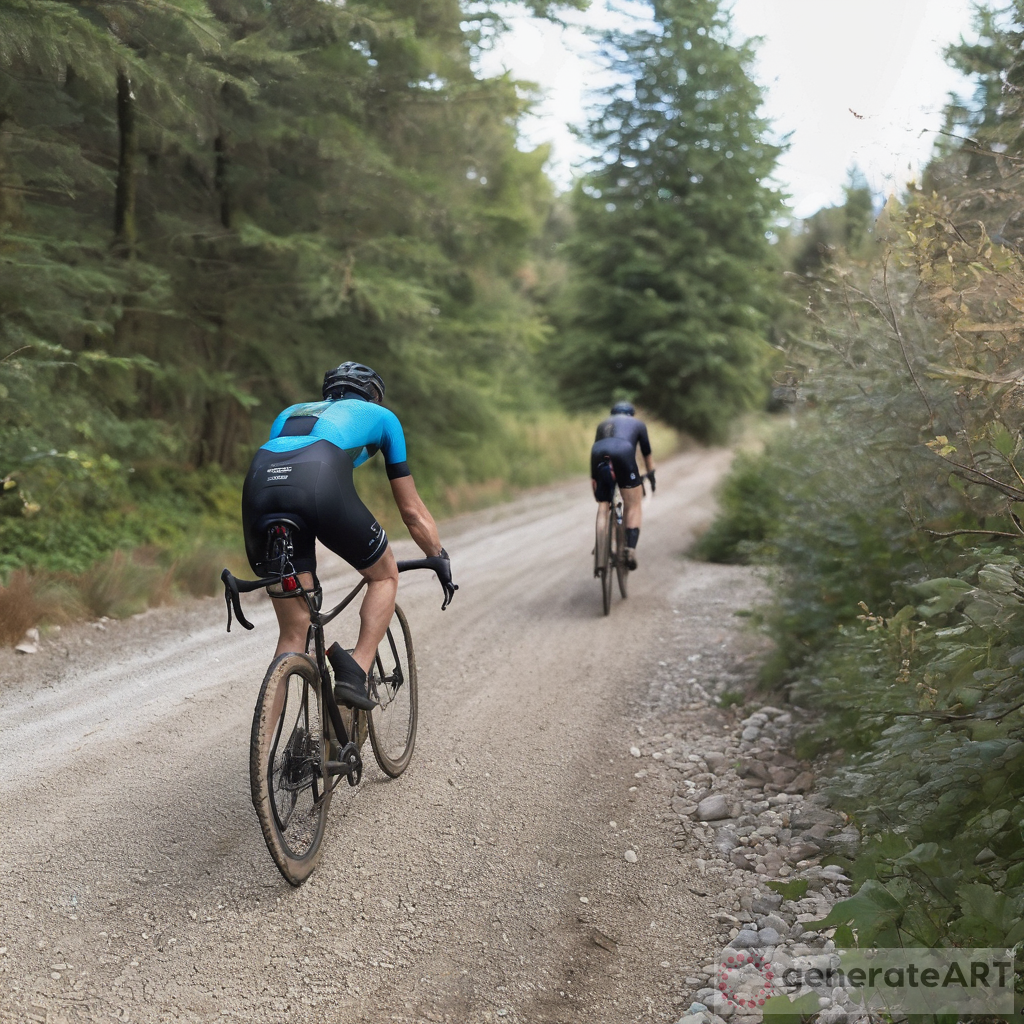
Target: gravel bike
610,549
303,744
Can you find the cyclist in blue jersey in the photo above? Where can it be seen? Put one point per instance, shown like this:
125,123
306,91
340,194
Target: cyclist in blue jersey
304,473
613,461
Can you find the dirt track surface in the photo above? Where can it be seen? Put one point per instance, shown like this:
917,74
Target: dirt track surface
488,883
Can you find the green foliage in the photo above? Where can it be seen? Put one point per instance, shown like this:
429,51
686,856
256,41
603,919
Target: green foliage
899,609
671,262
794,889
731,698
750,506
203,206
935,776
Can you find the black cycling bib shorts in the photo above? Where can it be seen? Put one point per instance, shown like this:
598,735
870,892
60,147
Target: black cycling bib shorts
312,487
618,455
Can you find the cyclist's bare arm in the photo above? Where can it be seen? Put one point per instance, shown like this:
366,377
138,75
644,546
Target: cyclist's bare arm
416,515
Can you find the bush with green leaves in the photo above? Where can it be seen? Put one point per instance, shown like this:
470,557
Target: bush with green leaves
897,515
749,509
927,704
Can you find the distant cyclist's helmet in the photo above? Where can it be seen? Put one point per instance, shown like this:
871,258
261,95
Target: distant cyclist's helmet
354,377
623,409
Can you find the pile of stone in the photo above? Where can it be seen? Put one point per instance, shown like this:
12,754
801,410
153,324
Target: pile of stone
744,809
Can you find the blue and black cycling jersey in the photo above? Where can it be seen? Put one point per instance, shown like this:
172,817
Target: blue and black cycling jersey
304,474
358,428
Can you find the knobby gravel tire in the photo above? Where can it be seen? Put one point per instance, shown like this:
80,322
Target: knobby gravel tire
286,757
393,724
607,572
621,569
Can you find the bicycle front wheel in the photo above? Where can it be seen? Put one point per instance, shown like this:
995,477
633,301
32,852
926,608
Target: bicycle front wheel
286,765
392,683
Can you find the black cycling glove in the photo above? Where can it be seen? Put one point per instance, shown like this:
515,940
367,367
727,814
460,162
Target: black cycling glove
444,574
650,476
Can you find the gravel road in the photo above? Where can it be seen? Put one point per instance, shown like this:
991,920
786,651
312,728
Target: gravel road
489,883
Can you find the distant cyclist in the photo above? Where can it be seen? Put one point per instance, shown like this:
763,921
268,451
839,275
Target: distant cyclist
613,460
304,472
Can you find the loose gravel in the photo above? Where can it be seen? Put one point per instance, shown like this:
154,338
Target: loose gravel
742,808
582,831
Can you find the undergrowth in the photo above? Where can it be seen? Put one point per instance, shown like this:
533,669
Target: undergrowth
891,523
120,584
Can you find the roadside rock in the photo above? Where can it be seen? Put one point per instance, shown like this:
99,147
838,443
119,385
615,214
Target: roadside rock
713,808
29,643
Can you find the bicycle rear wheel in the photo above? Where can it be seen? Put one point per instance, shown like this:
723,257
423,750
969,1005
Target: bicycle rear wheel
392,682
609,563
286,760
621,569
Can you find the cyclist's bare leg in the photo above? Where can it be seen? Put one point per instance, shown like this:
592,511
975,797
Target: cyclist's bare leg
602,520
293,623
293,619
631,506
374,615
377,608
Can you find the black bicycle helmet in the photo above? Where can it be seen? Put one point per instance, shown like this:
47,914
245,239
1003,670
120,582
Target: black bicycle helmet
623,409
354,377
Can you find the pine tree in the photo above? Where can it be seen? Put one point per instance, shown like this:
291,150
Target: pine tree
672,260
203,205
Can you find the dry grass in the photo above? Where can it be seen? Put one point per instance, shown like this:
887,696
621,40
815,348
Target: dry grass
124,584
117,586
197,571
19,607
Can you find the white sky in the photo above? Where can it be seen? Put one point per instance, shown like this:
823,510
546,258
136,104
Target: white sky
819,60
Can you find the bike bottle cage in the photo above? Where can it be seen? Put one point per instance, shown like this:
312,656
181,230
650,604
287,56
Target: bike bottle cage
607,461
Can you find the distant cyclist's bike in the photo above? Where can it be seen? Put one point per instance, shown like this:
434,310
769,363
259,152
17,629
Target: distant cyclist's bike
610,549
303,744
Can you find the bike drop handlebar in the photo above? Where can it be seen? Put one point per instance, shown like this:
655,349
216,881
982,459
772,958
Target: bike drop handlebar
234,587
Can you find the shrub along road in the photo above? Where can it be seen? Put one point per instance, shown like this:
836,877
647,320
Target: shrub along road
491,881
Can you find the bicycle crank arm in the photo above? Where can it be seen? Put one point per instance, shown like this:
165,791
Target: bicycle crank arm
350,764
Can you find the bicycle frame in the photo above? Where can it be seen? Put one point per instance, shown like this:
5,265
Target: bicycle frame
350,764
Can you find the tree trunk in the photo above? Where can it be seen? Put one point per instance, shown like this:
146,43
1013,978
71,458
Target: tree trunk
5,213
220,181
124,197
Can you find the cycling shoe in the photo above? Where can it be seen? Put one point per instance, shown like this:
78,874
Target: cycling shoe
349,680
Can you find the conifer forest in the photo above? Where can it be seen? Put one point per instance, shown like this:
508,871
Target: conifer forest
204,204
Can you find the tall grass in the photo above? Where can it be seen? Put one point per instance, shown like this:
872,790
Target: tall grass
19,608
119,585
